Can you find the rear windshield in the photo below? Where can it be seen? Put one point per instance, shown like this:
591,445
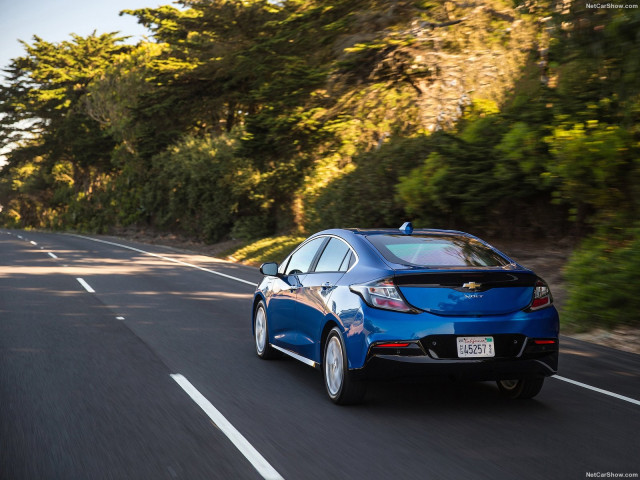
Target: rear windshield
436,251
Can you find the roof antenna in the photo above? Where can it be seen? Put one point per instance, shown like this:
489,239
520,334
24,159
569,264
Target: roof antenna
406,228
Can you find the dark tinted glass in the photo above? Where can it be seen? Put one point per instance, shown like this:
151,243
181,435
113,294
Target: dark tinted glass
436,251
347,262
333,256
301,260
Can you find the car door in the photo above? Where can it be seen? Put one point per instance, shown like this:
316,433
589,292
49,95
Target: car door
281,308
315,292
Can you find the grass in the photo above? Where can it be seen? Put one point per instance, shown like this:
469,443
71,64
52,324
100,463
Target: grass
270,249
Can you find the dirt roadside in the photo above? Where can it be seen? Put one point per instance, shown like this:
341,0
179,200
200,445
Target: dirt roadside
545,258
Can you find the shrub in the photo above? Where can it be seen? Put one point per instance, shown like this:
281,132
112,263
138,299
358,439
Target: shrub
199,186
602,280
271,249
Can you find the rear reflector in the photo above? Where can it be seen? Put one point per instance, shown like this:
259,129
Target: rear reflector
392,345
544,342
539,302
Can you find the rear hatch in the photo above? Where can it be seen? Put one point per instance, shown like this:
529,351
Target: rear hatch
476,293
452,273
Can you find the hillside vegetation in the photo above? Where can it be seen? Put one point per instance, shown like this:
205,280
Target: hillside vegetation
250,118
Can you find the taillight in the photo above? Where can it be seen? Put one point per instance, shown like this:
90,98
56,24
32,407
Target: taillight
541,296
382,294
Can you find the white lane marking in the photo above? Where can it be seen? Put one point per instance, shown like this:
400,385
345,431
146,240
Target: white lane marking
52,255
258,461
599,390
86,286
119,318
33,243
169,260
20,237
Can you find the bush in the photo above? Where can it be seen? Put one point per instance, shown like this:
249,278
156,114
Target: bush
271,249
602,280
200,187
365,196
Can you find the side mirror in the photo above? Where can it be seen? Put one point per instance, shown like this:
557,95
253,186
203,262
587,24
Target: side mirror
270,269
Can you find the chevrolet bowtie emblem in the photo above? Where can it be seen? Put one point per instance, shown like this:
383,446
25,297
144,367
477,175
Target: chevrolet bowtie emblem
471,285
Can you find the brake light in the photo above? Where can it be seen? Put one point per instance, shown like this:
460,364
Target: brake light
382,294
541,296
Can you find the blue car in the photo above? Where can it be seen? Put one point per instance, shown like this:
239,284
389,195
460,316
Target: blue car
369,304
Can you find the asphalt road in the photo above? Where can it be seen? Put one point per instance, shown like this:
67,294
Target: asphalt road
96,378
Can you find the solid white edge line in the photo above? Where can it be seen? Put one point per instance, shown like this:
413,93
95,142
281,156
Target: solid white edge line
258,461
52,255
599,390
169,260
86,286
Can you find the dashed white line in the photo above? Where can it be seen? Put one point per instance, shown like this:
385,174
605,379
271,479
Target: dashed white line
258,461
86,286
119,318
33,243
52,255
599,390
168,259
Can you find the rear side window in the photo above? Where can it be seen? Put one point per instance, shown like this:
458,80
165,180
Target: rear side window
436,251
334,256
301,259
348,261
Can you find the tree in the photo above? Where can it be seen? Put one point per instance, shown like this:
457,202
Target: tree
44,120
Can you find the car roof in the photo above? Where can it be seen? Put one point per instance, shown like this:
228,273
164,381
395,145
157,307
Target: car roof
364,232
396,231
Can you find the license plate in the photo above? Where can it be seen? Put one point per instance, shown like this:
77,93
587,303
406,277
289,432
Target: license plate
476,347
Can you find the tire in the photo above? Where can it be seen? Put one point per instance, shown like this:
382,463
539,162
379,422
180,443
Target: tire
522,388
341,386
261,334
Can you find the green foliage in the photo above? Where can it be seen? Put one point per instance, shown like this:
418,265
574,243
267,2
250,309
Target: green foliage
42,118
270,249
596,168
249,118
602,281
200,187
373,176
453,186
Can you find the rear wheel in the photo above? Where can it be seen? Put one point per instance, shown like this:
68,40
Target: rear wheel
340,383
521,388
261,333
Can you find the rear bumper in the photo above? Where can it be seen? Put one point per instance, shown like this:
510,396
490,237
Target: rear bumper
531,363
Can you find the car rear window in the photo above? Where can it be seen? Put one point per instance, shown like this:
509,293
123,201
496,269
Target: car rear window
436,251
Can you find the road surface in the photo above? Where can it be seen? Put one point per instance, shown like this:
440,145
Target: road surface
128,361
